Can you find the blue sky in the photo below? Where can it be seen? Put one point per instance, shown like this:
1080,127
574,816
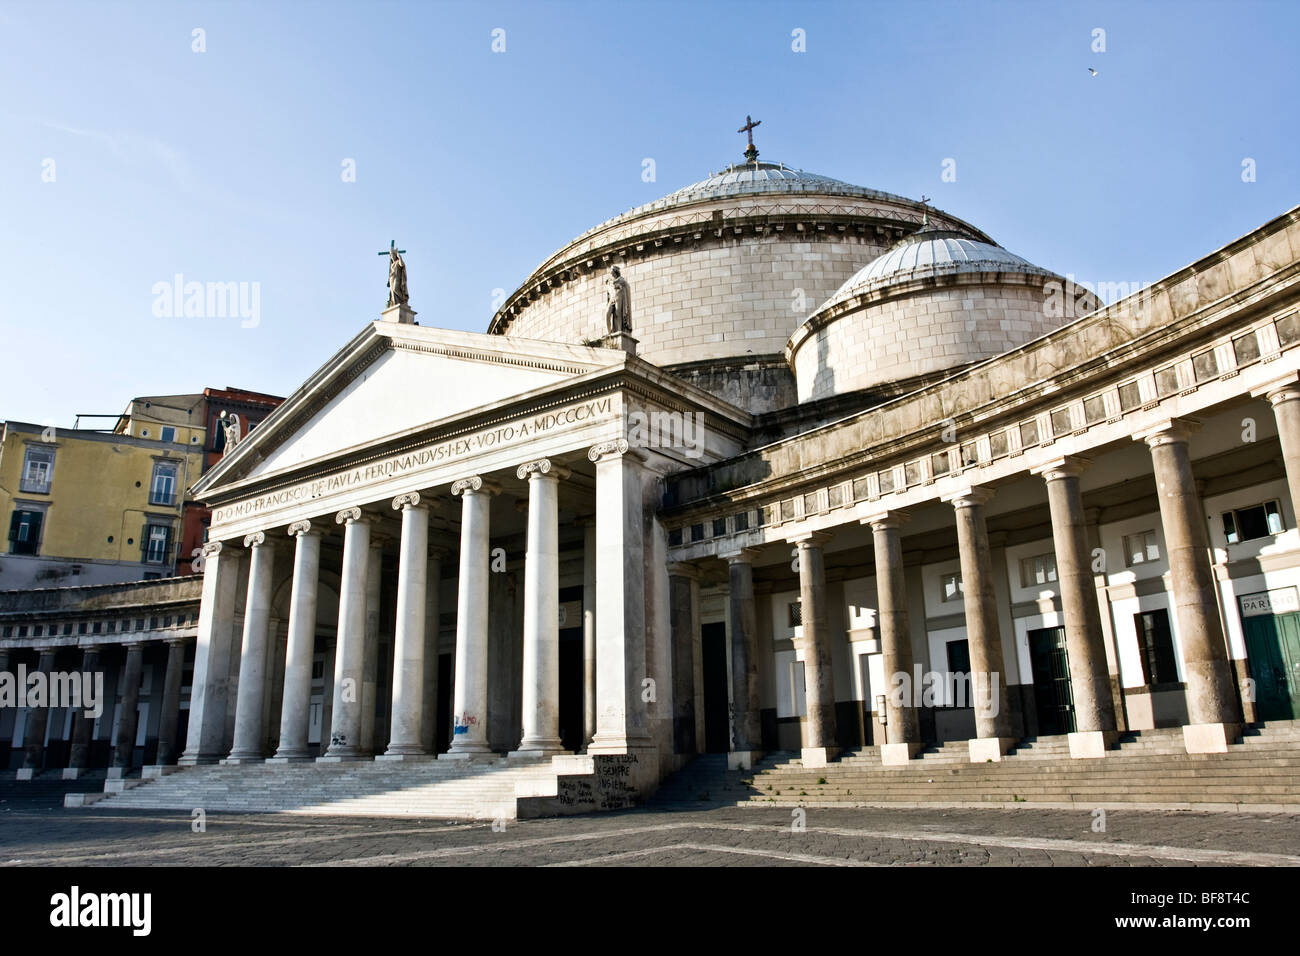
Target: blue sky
225,165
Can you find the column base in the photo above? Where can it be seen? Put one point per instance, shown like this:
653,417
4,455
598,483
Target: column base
406,758
26,773
74,773
1210,738
817,757
1090,744
344,758
743,759
157,771
120,785
538,748
236,761
470,756
117,773
985,749
897,755
195,760
291,756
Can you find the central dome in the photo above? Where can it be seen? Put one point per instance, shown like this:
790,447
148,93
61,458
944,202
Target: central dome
721,272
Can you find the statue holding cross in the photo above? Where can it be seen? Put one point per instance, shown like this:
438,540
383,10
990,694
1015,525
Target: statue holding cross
397,294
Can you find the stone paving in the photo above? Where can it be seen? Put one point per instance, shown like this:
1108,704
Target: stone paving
33,836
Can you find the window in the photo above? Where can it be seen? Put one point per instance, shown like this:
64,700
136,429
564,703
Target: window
157,543
1156,648
1140,548
1167,381
1205,366
998,444
794,614
1257,521
1094,409
950,588
162,490
1061,422
959,657
168,433
1028,434
1288,328
1130,396
38,467
886,479
912,473
719,527
939,464
25,531
1038,570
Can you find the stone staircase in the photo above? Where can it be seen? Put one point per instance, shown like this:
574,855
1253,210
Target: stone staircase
1147,768
478,790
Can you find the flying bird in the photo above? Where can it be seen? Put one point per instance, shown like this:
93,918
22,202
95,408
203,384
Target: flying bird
1092,71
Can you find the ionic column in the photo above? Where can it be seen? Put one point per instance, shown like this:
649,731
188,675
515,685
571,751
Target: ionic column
38,720
370,667
300,651
902,727
1213,711
169,717
432,627
684,622
1285,399
349,657
988,686
1094,710
83,726
819,744
541,678
469,695
128,722
588,632
408,638
212,655
746,730
251,693
621,717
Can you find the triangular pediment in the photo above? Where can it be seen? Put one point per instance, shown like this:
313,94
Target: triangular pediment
395,379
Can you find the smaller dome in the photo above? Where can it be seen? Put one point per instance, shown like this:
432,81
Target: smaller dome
932,252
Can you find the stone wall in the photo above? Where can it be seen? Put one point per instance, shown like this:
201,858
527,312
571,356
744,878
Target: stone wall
737,297
944,328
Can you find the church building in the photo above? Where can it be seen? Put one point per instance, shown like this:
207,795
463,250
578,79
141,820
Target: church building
773,463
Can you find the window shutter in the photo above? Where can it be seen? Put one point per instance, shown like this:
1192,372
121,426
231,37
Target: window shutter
14,521
34,536
144,543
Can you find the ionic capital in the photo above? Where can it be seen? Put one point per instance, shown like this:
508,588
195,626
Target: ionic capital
211,549
970,498
256,539
542,468
1168,432
610,449
1286,389
811,539
299,528
886,520
739,555
1068,466
474,484
409,500
353,516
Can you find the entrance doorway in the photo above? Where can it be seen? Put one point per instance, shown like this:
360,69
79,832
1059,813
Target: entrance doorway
571,671
1273,647
717,722
1053,699
442,728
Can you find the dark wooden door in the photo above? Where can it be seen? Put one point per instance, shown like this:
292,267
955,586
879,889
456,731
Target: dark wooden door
717,723
1052,695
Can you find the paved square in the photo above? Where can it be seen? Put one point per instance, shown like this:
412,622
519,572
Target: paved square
32,836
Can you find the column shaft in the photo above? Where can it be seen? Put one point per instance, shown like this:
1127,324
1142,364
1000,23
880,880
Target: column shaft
169,718
213,652
1211,696
684,621
345,741
902,725
83,726
746,732
38,718
588,633
251,694
988,685
408,639
541,683
128,719
819,679
370,681
300,651
432,628
469,716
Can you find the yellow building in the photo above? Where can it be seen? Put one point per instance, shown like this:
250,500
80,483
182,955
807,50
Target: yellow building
93,507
